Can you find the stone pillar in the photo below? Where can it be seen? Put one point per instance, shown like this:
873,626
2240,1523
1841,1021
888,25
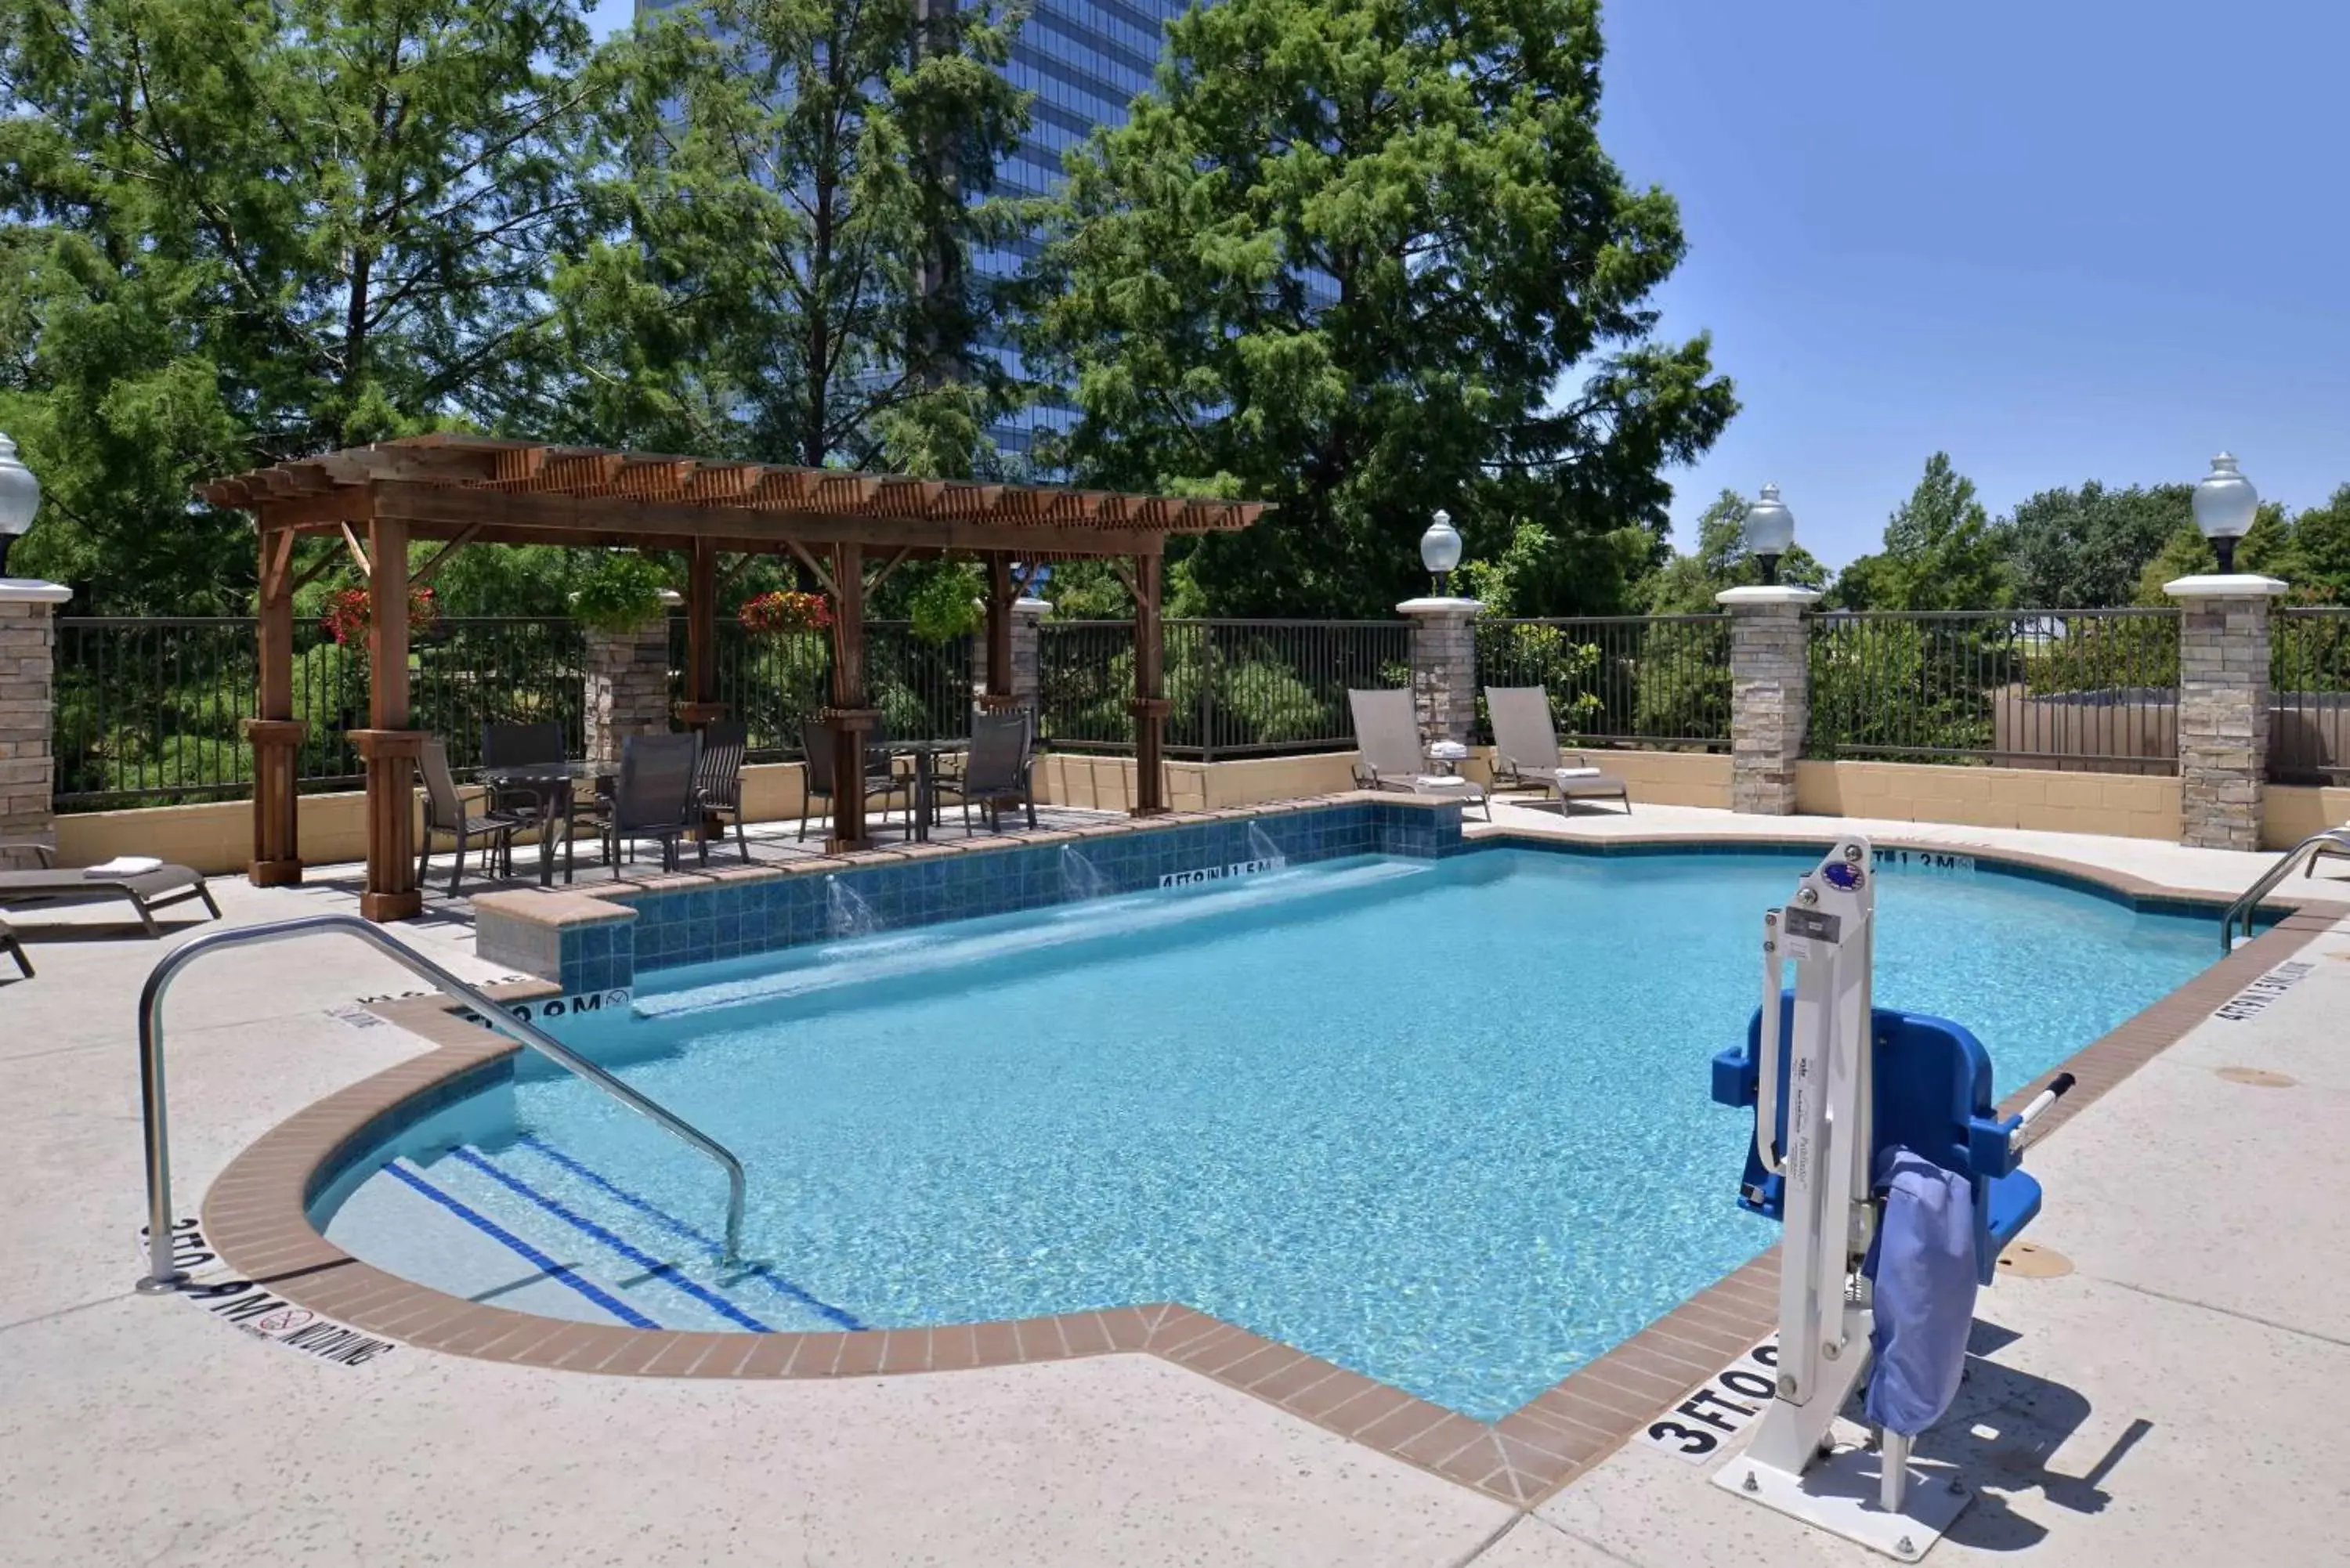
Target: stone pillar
628,688
27,711
1027,680
2223,706
1443,667
1770,695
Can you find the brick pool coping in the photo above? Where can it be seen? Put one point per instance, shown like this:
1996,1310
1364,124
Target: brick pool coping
255,1216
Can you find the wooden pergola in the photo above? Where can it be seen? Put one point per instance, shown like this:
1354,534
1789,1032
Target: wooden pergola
849,530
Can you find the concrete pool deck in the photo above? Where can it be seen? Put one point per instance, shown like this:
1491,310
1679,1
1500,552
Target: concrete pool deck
2161,1403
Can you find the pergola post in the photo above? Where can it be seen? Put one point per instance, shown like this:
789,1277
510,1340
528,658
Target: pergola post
701,705
1000,596
274,734
848,719
389,747
1149,704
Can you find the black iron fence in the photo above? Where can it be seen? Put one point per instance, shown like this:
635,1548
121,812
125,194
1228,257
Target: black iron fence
1645,681
1234,688
2309,701
778,682
151,711
2091,690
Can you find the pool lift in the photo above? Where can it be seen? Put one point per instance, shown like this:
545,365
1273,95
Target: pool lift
1825,1112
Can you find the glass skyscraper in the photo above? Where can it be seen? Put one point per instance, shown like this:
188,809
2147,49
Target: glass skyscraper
1085,60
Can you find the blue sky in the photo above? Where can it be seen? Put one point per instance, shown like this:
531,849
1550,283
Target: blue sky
2081,239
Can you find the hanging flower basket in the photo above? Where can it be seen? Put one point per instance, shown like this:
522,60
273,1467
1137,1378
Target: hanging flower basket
350,611
781,612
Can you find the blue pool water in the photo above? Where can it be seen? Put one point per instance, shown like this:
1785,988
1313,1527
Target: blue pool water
1446,1123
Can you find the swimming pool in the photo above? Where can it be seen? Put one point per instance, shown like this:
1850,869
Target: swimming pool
1443,1121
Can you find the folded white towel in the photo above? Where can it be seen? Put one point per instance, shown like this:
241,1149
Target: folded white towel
1438,780
1449,752
1576,773
125,865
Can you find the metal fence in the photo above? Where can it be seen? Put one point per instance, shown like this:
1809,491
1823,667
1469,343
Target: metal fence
2309,700
1234,688
2088,690
151,711
777,683
1652,681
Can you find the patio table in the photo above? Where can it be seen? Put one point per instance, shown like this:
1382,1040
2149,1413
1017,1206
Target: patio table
925,755
552,786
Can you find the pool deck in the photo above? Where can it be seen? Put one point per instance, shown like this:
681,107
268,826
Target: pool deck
2163,1402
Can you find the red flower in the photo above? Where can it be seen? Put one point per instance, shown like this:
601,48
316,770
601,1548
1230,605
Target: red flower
773,614
350,611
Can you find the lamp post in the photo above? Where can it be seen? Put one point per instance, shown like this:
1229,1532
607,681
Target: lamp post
20,497
1770,531
1440,551
2225,505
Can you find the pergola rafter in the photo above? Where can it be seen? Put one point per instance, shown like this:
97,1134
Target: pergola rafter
464,490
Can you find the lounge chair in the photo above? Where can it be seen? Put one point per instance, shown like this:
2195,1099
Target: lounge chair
1526,753
1387,733
147,891
14,950
995,770
718,786
654,795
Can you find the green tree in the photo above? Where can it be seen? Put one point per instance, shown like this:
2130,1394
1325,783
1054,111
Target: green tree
2319,563
789,191
235,234
1539,573
2270,545
1942,552
1365,259
2085,549
1687,585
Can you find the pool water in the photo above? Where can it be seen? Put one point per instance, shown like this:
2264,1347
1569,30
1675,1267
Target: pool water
1444,1123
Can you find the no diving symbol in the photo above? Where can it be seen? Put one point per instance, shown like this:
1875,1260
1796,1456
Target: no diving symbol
281,1321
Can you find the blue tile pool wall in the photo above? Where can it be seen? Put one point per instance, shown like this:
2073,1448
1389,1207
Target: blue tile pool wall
705,924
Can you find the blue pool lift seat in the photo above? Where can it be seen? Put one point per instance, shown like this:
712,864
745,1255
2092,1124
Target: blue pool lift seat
1932,1091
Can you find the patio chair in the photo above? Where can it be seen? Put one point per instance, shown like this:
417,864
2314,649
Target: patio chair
1526,753
148,888
653,797
450,814
718,786
14,950
519,746
816,743
996,769
1386,734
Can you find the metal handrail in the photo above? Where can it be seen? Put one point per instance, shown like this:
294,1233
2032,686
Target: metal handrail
2242,909
161,1276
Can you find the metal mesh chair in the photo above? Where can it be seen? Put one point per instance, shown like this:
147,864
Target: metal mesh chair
718,786
816,743
520,746
446,813
654,795
996,768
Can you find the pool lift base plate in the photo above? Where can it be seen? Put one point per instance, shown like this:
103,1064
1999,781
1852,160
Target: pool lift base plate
1838,1493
